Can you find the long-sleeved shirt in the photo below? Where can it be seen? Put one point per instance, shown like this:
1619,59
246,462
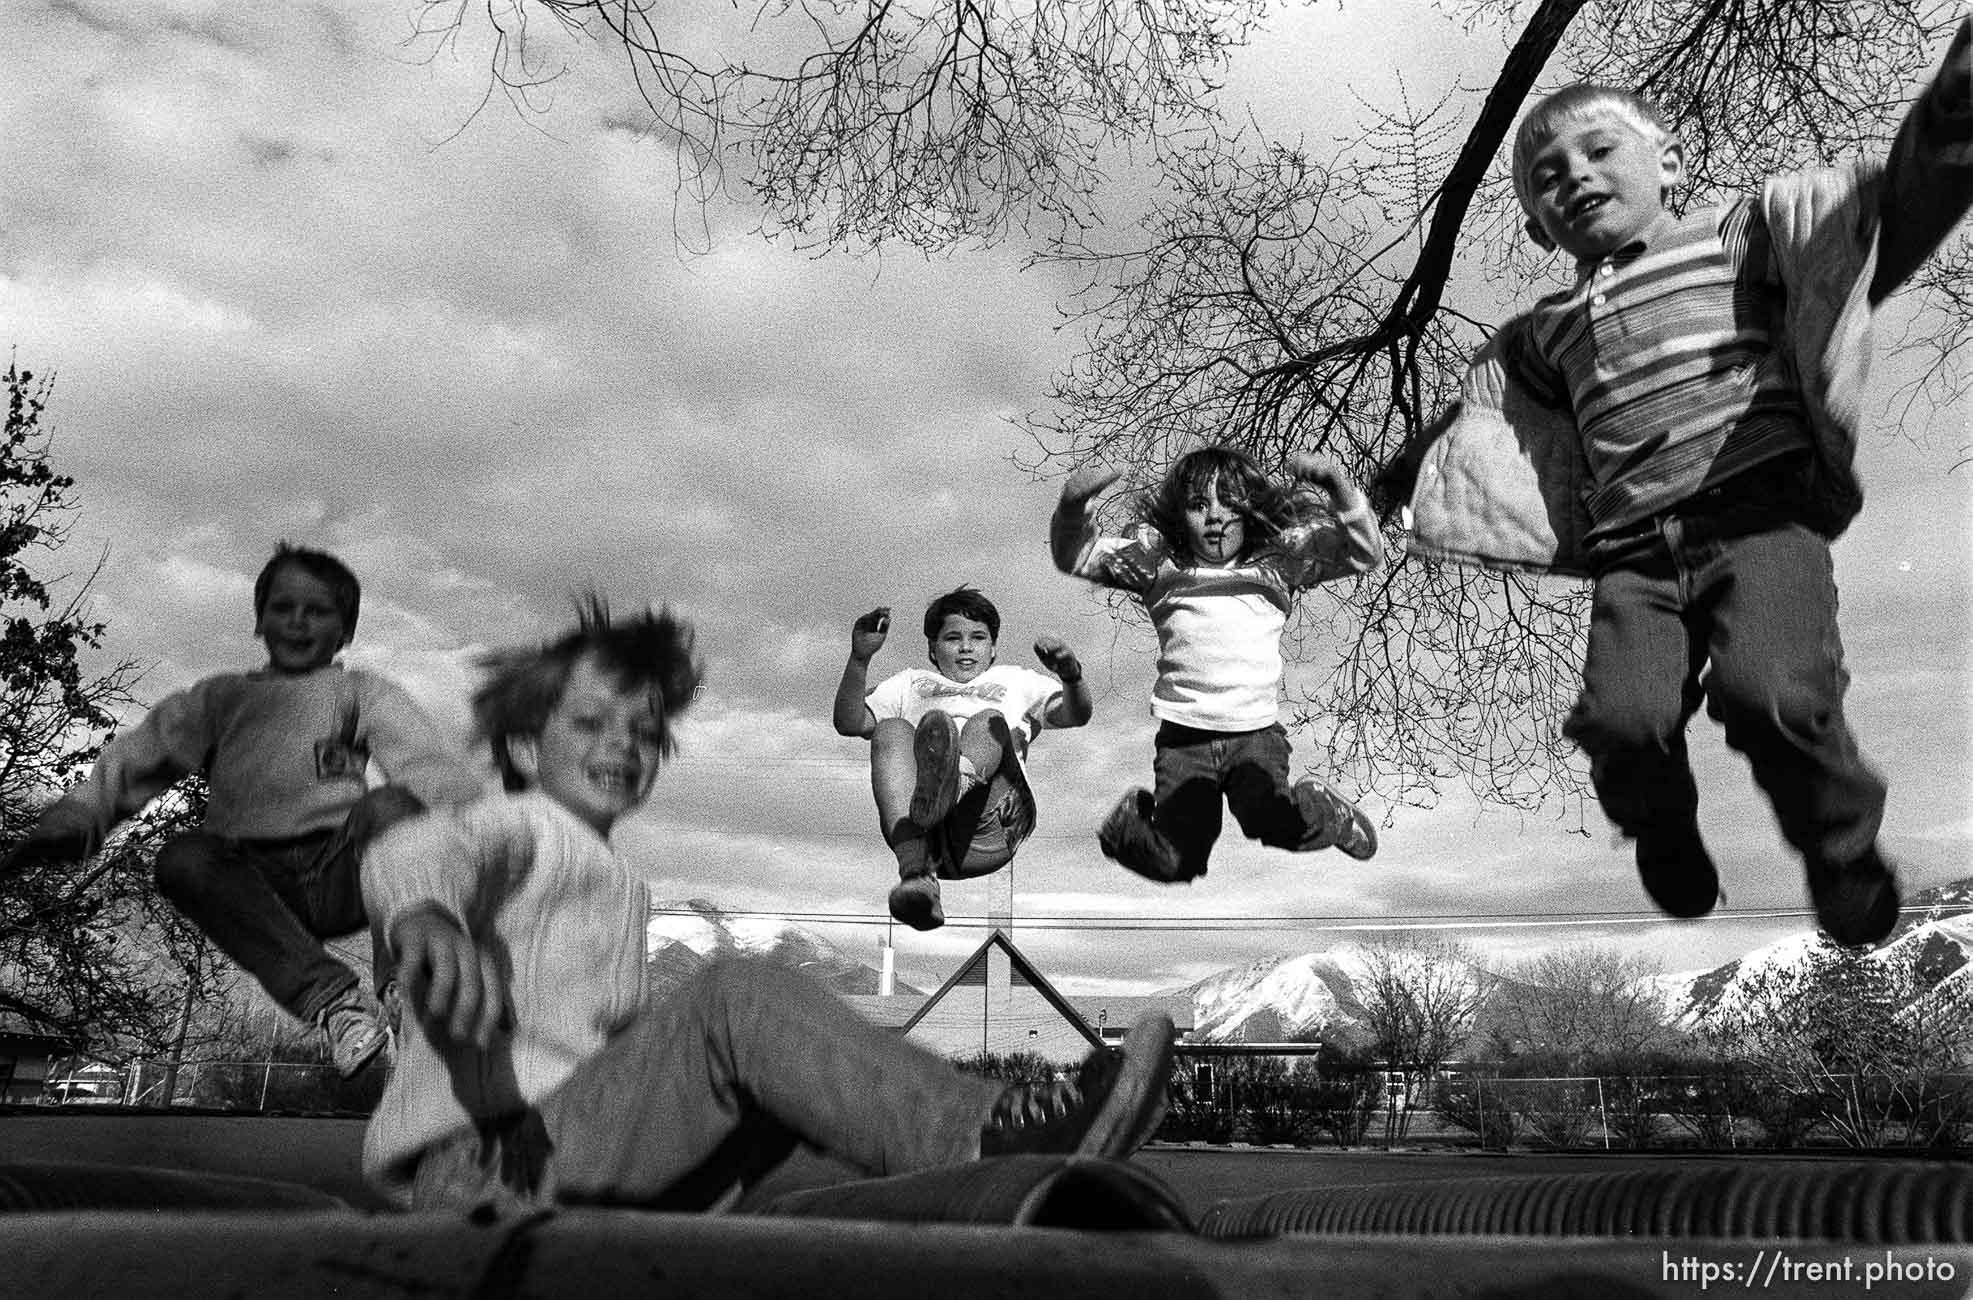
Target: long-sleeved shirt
283,754
1667,353
1502,476
565,918
1219,629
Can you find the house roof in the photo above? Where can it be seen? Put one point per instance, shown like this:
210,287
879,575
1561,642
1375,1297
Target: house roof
1123,1011
973,971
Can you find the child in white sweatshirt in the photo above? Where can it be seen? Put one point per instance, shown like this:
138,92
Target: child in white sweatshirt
533,1070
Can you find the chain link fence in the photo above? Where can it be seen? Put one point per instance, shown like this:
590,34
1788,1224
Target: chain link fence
249,1087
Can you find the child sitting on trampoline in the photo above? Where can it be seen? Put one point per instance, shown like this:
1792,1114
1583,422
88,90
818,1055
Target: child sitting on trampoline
1216,559
533,1070
946,746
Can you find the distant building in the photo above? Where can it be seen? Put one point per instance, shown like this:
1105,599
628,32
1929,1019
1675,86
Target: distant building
27,1057
998,1002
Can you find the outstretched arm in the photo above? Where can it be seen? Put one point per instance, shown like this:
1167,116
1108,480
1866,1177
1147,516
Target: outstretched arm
1363,541
866,638
409,748
1069,530
137,767
62,834
1072,707
1928,178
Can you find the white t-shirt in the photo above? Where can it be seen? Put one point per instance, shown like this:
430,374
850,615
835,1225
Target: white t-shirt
1020,695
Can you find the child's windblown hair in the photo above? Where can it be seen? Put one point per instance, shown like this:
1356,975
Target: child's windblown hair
651,652
1265,506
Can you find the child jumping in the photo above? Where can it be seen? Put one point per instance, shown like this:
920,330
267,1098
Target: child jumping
1681,426
534,1071
1217,560
947,746
284,751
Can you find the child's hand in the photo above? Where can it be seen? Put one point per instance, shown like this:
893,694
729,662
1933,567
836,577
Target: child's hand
450,983
1084,482
1057,658
866,635
1129,568
1323,471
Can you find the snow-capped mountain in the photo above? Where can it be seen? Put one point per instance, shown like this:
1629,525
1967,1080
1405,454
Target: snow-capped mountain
1273,1000
1934,937
1313,995
683,935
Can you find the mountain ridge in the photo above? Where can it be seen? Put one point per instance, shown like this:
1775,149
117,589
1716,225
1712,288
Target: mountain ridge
1313,995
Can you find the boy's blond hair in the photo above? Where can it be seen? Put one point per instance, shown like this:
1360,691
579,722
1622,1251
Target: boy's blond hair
649,653
1577,103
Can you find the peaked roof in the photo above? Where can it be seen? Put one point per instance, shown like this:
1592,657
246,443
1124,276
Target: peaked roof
973,971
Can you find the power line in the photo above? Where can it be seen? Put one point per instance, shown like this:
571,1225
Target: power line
1224,923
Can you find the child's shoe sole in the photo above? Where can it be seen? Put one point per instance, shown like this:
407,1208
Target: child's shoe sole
1128,839
914,901
1358,837
935,749
1856,903
1677,872
352,1050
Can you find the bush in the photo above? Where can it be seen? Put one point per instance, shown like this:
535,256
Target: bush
1631,1106
1197,1113
1016,1067
1480,1107
1267,1099
1555,1112
1339,1090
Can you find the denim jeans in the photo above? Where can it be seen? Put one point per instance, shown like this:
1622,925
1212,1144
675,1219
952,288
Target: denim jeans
1735,590
1249,769
709,1088
268,904
985,828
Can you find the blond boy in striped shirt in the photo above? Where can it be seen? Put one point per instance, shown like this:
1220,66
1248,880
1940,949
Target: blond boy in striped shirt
1680,425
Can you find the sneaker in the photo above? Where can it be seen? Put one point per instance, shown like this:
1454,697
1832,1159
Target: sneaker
354,1033
1856,902
1129,839
1111,1109
936,749
1342,824
390,1002
915,902
1676,870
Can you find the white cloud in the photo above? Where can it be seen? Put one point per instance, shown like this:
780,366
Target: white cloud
295,289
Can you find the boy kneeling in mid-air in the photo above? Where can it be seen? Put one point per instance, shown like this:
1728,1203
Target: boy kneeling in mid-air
946,746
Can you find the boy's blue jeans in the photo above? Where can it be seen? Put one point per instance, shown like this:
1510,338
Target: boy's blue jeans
268,904
1738,590
709,1088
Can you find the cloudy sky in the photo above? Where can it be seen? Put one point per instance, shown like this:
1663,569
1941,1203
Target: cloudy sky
295,286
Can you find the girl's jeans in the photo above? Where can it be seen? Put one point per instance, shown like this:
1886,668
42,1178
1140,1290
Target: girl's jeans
707,1089
1736,589
1196,768
268,904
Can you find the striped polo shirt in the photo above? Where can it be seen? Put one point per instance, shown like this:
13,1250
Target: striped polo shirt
1667,351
